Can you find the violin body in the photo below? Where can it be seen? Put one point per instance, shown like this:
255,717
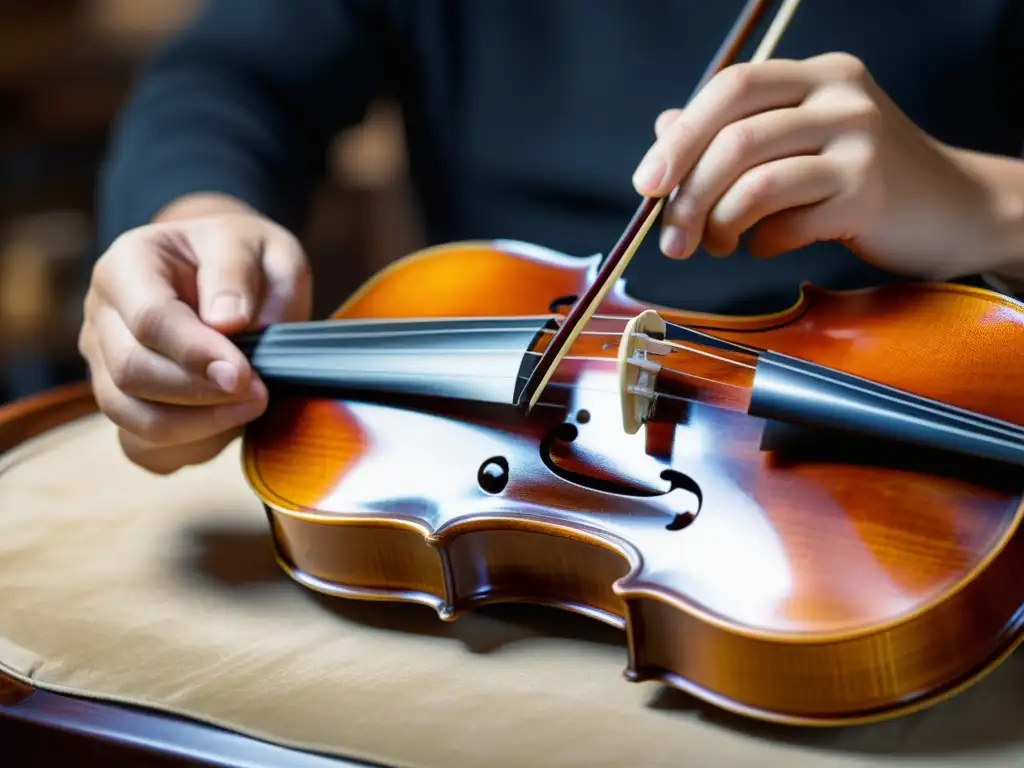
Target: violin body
791,576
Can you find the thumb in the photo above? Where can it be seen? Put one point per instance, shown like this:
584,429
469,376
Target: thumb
228,279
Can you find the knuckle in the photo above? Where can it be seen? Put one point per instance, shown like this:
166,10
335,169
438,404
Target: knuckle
90,303
847,66
113,405
664,120
124,246
127,368
144,423
737,139
682,212
861,165
147,324
85,341
736,81
158,461
151,427
758,185
299,265
680,133
107,271
101,270
863,113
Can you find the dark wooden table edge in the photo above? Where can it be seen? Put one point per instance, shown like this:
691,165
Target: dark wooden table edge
132,732
129,732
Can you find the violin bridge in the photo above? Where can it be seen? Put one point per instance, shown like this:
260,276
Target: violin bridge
641,340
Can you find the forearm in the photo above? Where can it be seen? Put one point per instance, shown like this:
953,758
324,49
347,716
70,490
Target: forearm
241,105
1001,231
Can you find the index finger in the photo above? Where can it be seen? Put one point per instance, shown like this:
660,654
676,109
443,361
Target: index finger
734,93
141,289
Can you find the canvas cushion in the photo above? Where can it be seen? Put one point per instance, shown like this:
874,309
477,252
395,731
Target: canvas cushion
163,592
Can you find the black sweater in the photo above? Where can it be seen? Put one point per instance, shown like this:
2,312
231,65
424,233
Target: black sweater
526,118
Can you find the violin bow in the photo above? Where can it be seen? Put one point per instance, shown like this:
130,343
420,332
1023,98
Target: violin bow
650,207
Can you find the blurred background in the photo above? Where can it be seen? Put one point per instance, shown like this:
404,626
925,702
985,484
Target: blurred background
65,68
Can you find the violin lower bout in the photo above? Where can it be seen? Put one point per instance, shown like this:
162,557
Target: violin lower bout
836,681
809,653
813,582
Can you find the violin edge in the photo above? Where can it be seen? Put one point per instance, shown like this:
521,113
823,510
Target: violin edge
631,584
747,674
589,264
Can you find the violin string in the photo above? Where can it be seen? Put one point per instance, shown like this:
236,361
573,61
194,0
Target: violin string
313,334
292,350
269,355
1011,431
338,329
334,333
615,391
574,386
274,359
1008,430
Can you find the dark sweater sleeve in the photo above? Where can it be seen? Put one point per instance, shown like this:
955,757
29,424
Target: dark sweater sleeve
244,101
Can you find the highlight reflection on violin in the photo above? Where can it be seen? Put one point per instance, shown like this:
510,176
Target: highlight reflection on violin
808,515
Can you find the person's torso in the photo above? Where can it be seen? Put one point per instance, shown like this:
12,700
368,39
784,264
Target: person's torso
527,117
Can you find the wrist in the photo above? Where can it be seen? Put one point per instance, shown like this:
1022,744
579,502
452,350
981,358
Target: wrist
998,244
200,205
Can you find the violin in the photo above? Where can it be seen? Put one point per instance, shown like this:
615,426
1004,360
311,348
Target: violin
810,517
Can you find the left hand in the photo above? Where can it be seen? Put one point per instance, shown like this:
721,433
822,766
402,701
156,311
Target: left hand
807,151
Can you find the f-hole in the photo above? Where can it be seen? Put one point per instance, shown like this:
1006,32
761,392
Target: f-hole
680,521
567,432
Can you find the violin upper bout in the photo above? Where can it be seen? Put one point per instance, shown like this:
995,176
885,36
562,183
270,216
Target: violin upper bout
471,279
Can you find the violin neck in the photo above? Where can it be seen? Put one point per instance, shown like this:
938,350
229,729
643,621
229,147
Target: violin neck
483,360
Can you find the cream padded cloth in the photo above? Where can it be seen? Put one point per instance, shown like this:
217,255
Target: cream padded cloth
163,592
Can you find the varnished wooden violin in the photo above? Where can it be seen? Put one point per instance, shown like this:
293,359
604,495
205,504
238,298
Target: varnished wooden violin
810,517
800,572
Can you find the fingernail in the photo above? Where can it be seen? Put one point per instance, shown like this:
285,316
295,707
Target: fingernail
673,242
226,308
649,175
223,374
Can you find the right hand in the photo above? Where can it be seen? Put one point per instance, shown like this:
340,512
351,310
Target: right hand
162,300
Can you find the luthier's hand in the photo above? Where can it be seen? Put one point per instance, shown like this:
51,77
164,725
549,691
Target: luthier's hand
158,309
802,151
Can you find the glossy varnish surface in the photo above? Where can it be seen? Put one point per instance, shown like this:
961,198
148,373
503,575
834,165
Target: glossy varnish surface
799,577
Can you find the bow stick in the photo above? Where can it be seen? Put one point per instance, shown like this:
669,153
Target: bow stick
649,209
